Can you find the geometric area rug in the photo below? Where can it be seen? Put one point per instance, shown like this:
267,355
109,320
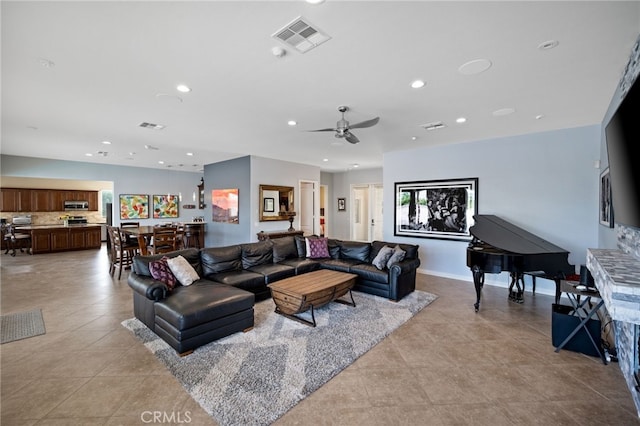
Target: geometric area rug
21,325
254,378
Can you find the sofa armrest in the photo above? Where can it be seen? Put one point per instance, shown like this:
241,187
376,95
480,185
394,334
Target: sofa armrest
406,266
147,286
402,278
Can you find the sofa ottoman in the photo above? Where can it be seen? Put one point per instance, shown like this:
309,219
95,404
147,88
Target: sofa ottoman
196,315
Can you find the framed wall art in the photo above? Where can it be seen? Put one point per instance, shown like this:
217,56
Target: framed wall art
606,207
342,204
225,205
269,205
134,206
165,206
441,209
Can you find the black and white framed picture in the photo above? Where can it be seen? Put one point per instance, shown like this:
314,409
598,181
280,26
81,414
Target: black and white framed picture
269,204
606,207
342,204
436,209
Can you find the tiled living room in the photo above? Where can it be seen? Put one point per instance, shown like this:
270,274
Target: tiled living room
446,365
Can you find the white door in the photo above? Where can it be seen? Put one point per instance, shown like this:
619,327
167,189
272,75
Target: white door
307,207
366,214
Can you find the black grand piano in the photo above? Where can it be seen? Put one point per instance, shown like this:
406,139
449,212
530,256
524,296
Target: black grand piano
499,246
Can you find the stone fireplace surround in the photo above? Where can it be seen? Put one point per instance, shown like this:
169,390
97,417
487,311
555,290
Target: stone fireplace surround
617,276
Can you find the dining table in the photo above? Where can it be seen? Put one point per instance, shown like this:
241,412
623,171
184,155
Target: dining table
143,234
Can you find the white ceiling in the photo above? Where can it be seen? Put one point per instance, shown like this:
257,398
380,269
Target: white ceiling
112,59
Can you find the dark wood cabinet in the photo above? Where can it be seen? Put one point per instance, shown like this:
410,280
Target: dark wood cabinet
43,200
40,241
15,200
60,239
52,239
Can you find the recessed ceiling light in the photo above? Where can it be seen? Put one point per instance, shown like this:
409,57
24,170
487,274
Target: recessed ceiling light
315,1
539,117
355,165
417,84
292,122
183,88
549,44
460,120
503,111
325,159
160,162
151,147
88,154
106,143
190,154
414,138
475,67
132,153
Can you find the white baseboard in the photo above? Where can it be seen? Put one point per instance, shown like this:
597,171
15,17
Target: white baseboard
543,286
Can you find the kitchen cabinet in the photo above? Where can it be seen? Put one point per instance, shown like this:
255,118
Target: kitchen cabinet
60,239
15,200
50,238
43,200
40,241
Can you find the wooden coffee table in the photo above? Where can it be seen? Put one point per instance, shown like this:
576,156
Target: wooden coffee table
298,294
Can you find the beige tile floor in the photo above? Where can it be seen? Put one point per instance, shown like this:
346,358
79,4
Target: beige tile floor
446,366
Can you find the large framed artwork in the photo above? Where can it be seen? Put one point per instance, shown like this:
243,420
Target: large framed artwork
225,205
606,207
165,206
134,206
441,209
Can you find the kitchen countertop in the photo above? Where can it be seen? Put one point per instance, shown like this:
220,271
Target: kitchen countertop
52,226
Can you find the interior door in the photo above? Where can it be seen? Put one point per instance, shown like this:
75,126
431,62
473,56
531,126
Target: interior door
307,207
366,214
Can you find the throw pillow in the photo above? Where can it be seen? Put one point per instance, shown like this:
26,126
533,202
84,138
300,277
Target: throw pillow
318,248
397,256
160,271
383,256
182,269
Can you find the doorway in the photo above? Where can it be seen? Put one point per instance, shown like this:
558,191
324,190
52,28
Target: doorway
366,214
307,212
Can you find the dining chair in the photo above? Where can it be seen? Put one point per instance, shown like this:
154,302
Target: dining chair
130,242
164,240
120,256
16,240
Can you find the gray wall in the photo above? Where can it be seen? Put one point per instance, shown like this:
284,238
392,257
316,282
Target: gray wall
546,183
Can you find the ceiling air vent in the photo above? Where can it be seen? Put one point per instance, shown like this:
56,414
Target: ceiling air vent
151,126
434,126
301,35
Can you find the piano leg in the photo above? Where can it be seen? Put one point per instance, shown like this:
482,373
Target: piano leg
516,279
478,282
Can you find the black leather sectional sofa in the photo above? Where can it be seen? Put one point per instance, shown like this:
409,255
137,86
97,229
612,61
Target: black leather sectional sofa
233,277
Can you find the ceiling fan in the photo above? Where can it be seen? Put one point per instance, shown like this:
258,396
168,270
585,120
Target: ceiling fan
343,129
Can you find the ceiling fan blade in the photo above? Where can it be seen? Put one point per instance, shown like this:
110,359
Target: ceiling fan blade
351,138
364,124
322,130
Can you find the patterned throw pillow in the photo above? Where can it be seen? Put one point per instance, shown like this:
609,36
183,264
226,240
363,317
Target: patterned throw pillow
182,269
318,248
397,256
160,271
381,259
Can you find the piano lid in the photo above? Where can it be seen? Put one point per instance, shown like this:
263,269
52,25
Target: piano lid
506,236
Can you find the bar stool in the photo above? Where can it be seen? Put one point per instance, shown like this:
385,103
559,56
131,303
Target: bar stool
192,236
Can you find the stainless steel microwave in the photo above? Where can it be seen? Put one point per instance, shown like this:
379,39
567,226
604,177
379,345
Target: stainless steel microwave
76,206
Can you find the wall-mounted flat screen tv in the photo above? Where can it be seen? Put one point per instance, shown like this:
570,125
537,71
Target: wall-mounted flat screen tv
623,140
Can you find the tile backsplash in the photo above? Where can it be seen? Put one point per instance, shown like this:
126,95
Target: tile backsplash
53,218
